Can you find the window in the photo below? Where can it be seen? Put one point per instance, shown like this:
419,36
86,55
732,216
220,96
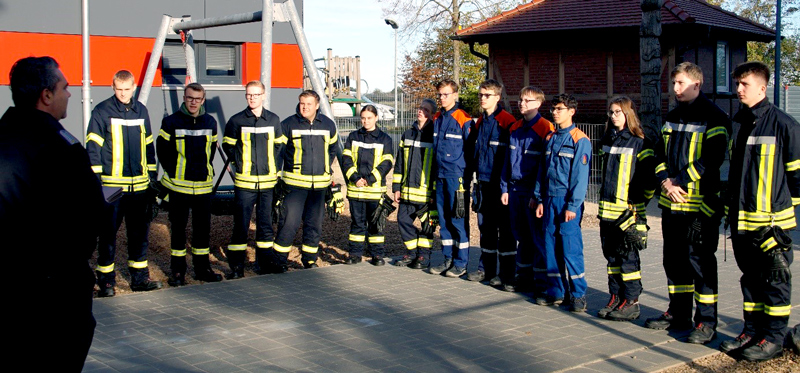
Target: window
723,71
214,63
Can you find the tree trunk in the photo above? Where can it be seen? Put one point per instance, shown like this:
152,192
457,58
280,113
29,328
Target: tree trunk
456,17
650,68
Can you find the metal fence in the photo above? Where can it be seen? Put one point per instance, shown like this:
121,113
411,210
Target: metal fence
789,100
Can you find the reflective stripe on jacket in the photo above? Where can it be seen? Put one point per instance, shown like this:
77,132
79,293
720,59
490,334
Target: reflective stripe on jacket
450,132
628,180
254,145
120,145
186,146
525,154
310,149
414,164
694,139
488,139
565,171
765,168
368,156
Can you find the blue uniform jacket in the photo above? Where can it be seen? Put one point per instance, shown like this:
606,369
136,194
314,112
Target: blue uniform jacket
488,142
524,155
565,172
450,132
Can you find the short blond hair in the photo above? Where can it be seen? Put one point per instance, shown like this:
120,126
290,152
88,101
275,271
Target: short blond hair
691,70
123,76
255,83
537,93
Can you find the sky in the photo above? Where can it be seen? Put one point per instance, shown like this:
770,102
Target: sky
354,28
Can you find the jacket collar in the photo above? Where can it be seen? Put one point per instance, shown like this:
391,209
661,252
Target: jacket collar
761,108
121,107
454,108
301,118
374,133
533,121
494,113
186,112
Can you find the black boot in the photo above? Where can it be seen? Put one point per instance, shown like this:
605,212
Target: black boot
178,268
106,282
140,280
202,269
236,262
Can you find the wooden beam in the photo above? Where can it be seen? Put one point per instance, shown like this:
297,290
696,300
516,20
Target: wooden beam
526,70
561,78
609,77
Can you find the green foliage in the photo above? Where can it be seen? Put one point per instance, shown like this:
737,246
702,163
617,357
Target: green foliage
433,62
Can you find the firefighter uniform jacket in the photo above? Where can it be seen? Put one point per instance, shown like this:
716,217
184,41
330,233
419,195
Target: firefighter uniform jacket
186,146
310,149
565,172
450,132
120,145
694,136
367,155
488,141
254,146
524,156
414,165
628,181
765,165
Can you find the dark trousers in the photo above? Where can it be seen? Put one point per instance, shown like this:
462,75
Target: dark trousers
363,231
766,304
494,223
412,238
529,233
691,269
306,206
179,206
134,208
624,270
244,200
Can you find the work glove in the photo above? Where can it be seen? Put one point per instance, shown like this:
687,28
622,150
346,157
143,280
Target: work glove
278,205
378,219
428,219
694,234
776,267
477,197
625,221
334,201
460,207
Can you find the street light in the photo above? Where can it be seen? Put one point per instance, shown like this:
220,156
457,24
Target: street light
394,25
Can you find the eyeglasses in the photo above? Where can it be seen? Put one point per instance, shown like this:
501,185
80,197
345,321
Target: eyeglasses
614,113
253,95
446,95
193,99
487,95
527,101
557,109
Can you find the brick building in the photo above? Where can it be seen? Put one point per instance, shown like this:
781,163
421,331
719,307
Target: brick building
590,48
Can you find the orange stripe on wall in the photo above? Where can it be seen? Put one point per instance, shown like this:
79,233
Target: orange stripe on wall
287,65
109,54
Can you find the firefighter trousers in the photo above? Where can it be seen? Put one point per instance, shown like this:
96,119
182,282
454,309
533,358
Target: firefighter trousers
691,269
134,208
624,270
529,233
563,250
362,231
454,232
411,236
767,305
179,206
497,241
244,200
305,206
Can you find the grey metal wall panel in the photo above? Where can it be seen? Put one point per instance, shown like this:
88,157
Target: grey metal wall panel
42,16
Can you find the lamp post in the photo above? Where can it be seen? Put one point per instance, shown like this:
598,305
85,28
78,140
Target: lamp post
392,23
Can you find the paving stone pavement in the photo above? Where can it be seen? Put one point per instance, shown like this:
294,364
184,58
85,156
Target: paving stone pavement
363,319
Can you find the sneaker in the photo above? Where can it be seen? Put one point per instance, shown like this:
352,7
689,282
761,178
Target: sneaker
509,287
146,285
612,304
762,351
734,344
495,281
441,268
455,272
578,305
702,334
626,311
549,301
667,321
176,279
476,276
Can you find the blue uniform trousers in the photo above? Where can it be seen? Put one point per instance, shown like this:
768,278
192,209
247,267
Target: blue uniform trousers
496,236
563,250
454,232
528,231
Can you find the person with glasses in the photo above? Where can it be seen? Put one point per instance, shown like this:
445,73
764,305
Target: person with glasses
413,186
695,138
254,142
488,143
186,146
450,131
560,191
628,183
520,169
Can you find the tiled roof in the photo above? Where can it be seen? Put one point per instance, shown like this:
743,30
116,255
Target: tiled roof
552,15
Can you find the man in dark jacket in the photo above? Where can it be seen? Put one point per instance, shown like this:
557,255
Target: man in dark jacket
186,146
765,188
120,146
47,186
